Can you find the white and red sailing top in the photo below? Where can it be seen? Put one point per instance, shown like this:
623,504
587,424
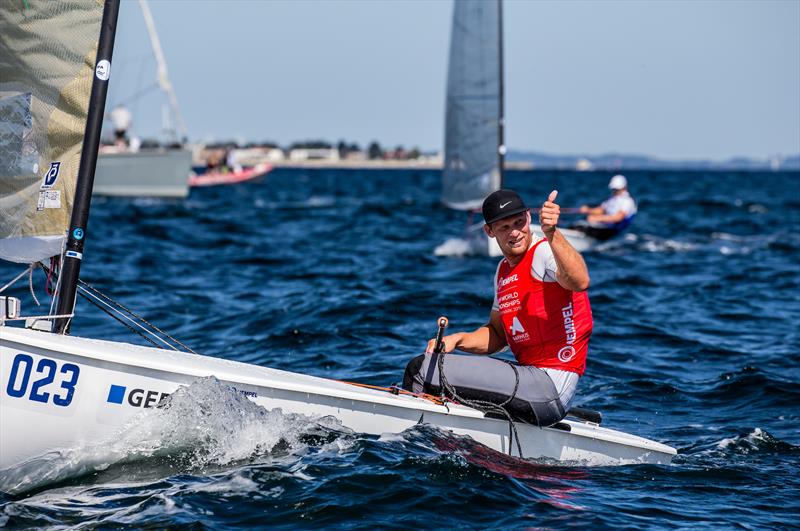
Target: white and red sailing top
620,202
546,325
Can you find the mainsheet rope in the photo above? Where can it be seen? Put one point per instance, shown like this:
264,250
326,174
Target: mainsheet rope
480,405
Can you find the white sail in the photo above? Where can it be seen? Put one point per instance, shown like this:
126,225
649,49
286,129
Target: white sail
47,63
473,117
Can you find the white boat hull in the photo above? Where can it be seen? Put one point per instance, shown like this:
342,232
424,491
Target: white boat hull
60,392
146,173
480,244
579,240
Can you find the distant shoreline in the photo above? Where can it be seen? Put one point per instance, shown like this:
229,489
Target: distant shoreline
391,164
379,164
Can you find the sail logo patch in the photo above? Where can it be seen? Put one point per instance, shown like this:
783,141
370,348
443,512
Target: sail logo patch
51,176
103,70
48,199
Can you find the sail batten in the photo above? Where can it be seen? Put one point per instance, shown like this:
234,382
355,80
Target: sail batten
47,65
473,119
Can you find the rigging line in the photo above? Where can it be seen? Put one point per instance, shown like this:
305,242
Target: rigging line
138,94
87,293
122,310
39,317
30,284
48,283
16,278
123,323
54,270
132,313
57,266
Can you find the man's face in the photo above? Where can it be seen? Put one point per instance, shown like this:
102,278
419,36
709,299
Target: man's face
513,234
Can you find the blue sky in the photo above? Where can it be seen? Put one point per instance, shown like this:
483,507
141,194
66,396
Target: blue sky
672,79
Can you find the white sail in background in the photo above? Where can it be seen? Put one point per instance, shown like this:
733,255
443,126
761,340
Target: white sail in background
47,64
474,105
163,78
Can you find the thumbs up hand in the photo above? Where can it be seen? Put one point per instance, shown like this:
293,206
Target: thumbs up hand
548,215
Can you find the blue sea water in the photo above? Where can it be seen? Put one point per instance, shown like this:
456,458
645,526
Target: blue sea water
333,273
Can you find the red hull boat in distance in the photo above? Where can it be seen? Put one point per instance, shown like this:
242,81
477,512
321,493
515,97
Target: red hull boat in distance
230,177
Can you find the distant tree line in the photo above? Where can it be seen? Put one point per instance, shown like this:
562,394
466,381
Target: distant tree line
374,150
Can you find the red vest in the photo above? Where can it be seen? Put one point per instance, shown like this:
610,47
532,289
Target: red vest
546,325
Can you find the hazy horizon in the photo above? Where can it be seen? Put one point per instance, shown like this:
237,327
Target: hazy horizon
671,80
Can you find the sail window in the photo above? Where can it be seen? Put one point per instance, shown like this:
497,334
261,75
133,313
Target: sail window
18,153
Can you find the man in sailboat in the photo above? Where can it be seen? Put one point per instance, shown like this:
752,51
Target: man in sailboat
121,119
613,215
541,312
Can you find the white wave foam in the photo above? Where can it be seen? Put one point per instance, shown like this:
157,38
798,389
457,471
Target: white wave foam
314,201
654,244
742,244
236,484
454,247
746,442
205,424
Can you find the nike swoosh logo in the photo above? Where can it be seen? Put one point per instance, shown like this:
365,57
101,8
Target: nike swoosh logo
505,204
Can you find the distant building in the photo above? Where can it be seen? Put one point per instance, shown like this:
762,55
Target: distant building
252,156
300,154
434,159
356,155
584,165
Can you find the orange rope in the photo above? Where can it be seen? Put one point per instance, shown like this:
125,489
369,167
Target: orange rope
397,390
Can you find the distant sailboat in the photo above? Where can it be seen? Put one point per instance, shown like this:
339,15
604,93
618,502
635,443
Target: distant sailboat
150,172
474,149
474,120
473,166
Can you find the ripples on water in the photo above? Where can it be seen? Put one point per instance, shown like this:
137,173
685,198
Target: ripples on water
332,273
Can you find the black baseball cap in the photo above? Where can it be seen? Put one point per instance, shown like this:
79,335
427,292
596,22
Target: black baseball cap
502,204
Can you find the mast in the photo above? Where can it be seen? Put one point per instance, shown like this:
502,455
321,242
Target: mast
501,147
163,78
83,189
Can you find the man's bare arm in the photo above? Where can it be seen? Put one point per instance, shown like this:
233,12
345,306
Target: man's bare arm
606,218
591,210
485,340
572,272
